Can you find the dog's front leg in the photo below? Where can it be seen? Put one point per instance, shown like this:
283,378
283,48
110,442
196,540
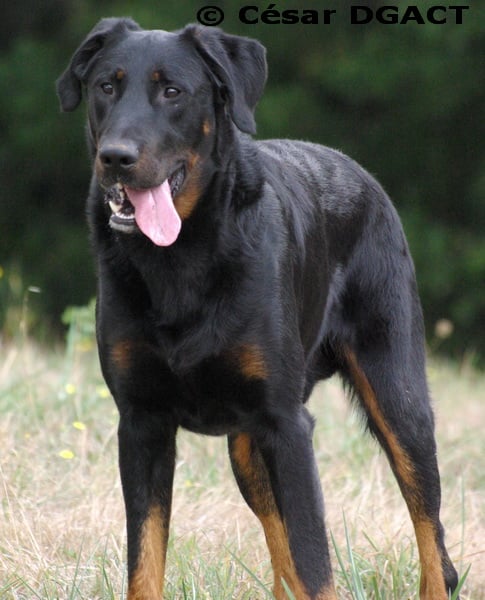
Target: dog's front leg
147,460
277,475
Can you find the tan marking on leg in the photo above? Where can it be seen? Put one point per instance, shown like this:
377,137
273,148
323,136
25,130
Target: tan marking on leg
253,471
402,462
281,559
432,579
241,454
283,565
147,580
432,585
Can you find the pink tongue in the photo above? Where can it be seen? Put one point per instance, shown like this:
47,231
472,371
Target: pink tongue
155,213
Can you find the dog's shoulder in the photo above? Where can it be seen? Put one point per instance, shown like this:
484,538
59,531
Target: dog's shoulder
315,186
321,174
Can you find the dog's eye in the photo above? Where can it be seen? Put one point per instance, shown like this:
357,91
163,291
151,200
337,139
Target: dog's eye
171,92
107,87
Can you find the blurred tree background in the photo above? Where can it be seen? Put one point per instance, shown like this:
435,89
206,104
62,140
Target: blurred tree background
406,101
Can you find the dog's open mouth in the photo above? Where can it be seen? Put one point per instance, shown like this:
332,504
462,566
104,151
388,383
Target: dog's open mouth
150,210
123,211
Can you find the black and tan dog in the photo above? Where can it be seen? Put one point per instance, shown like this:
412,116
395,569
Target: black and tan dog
234,274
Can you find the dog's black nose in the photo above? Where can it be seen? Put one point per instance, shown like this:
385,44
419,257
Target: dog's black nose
118,157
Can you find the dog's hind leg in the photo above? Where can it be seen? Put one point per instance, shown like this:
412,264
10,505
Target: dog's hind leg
278,478
394,396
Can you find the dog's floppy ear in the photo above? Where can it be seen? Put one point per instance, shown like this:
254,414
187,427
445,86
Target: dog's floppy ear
238,66
69,83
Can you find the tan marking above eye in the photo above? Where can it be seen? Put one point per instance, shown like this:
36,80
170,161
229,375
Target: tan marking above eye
206,127
120,74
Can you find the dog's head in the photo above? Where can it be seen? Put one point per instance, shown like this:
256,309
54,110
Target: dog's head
157,101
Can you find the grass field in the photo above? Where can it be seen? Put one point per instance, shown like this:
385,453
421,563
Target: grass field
62,522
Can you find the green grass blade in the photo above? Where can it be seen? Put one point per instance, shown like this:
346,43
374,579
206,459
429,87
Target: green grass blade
256,579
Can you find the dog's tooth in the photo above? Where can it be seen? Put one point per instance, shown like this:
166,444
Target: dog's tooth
115,207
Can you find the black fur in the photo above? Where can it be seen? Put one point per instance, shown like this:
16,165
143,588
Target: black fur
291,265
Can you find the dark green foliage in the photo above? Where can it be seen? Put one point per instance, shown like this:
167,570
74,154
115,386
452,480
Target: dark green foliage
404,100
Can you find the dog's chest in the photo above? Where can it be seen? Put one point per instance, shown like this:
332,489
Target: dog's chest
221,395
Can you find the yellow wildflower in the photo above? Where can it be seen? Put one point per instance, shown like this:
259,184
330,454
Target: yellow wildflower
102,391
66,454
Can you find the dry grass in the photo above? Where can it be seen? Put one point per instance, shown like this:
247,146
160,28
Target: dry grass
62,521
